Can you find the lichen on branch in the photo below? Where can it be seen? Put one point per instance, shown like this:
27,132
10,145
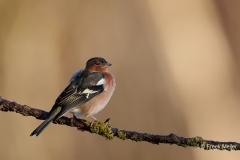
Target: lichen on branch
105,130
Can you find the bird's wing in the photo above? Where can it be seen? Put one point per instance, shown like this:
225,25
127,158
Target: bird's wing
76,75
84,87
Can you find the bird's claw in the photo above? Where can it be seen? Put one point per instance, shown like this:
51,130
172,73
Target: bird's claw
80,129
73,120
92,123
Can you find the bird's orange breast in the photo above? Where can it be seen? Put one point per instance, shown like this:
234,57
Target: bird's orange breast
98,102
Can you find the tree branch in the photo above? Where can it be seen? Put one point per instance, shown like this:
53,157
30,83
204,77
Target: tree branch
105,130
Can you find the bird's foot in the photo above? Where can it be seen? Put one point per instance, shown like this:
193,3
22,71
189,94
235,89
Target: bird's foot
73,119
95,120
80,129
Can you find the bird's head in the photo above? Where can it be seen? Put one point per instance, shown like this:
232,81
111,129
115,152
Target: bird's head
97,64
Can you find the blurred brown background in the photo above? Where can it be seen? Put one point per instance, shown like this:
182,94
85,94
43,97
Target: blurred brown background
176,64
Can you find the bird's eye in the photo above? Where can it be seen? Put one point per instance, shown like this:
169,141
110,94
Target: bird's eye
97,63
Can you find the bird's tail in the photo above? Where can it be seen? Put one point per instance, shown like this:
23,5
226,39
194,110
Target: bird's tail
42,126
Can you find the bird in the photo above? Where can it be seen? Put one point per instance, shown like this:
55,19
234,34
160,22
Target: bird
88,92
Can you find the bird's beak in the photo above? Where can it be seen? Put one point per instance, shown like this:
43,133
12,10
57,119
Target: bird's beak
107,64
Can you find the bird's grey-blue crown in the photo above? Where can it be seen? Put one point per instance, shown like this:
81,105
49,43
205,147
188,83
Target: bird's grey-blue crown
90,61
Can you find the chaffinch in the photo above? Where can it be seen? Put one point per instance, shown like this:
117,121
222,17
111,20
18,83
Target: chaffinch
88,93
